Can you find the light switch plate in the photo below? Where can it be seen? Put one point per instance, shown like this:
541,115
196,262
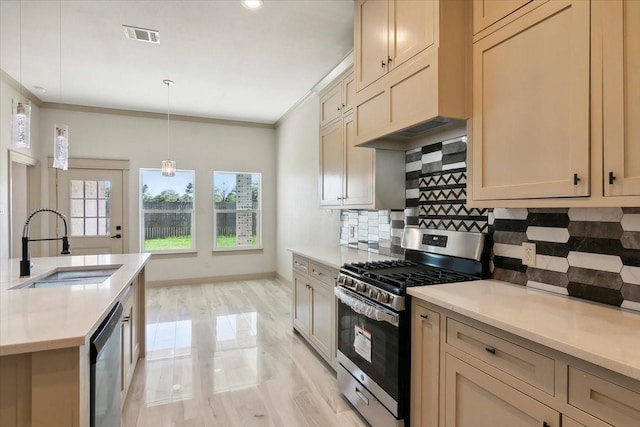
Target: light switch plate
529,253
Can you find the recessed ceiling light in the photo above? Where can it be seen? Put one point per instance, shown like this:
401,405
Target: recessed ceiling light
252,4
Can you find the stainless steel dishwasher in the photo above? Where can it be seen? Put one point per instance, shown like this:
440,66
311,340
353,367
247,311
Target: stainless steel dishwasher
106,364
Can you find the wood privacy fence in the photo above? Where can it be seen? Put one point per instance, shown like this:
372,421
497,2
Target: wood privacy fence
173,219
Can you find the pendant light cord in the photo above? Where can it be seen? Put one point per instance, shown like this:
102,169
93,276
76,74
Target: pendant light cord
60,49
168,83
20,45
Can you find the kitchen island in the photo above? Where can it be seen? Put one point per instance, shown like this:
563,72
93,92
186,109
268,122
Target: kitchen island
45,332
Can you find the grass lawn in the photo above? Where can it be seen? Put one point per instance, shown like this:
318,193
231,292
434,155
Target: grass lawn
169,243
230,241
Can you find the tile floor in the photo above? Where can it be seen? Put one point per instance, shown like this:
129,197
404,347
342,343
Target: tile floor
225,354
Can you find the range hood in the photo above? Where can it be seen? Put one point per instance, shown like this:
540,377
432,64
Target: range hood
417,135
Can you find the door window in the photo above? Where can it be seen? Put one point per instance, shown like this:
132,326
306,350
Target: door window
89,207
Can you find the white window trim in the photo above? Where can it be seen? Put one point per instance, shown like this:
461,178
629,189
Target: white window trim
258,212
193,248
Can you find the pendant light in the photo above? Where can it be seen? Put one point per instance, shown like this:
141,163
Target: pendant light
168,166
21,109
60,132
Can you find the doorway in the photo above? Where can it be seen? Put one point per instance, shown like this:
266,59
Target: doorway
23,179
92,194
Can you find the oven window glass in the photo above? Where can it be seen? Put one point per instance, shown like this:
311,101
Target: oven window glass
385,339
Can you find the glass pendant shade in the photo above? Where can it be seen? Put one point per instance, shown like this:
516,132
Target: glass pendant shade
21,124
168,168
61,147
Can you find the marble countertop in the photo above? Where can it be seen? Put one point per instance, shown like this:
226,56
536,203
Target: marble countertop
337,255
66,316
605,336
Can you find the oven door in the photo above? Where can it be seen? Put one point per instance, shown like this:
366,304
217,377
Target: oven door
373,347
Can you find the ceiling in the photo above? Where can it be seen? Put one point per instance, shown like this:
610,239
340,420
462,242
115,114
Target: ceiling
227,62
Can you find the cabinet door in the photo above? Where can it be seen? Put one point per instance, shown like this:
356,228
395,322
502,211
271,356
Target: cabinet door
531,105
475,399
371,41
331,105
425,366
321,317
569,422
486,12
348,92
358,168
301,301
621,97
411,28
126,337
331,164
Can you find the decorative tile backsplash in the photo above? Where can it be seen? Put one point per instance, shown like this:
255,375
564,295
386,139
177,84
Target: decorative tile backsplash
588,253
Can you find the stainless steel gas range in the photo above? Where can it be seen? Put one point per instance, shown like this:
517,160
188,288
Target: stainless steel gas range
374,322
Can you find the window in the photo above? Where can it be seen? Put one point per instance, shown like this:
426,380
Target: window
89,208
236,210
167,211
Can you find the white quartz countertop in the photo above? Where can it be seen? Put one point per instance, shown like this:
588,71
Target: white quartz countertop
337,255
66,316
605,336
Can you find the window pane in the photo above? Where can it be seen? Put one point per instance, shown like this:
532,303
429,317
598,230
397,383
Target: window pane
86,207
167,204
236,229
238,192
77,189
91,208
77,208
77,226
91,227
90,189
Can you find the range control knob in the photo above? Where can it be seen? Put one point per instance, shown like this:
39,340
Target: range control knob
361,287
373,293
348,281
384,297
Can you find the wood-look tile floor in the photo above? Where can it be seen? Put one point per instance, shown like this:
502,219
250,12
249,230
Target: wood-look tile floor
225,354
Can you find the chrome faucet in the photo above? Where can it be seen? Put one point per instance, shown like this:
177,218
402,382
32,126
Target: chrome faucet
25,262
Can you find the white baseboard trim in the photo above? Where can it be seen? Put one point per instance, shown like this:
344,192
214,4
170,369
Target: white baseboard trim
284,280
204,280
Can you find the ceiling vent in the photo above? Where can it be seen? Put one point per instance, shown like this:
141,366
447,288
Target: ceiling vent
142,34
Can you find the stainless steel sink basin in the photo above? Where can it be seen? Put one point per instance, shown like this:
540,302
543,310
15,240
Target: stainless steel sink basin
70,278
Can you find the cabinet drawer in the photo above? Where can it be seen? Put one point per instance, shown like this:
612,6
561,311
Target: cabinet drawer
524,364
300,264
612,403
323,274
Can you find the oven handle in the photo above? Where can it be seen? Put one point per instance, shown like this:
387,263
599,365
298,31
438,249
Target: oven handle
364,307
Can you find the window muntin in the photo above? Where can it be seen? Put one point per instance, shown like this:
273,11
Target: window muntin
237,210
167,211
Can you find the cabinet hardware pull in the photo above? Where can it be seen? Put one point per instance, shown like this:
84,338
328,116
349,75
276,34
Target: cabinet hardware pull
125,319
611,178
491,350
575,179
317,273
382,63
339,108
424,316
388,60
545,424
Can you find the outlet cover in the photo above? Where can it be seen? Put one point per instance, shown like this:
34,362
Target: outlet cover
529,254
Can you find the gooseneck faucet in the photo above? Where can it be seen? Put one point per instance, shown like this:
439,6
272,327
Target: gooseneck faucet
25,262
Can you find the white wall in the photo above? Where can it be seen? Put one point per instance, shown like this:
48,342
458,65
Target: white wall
9,91
196,145
301,221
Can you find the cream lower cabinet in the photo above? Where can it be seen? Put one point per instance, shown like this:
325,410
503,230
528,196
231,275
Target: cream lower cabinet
314,306
467,374
130,340
475,399
425,366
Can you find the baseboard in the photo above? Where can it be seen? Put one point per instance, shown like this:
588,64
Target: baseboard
204,280
284,280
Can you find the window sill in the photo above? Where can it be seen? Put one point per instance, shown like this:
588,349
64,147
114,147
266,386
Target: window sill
173,254
237,251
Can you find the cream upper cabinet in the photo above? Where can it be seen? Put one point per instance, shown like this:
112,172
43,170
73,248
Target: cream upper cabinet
338,100
352,176
621,97
410,66
388,33
531,105
487,12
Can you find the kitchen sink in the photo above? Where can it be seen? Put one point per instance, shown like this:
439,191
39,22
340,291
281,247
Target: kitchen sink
70,278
